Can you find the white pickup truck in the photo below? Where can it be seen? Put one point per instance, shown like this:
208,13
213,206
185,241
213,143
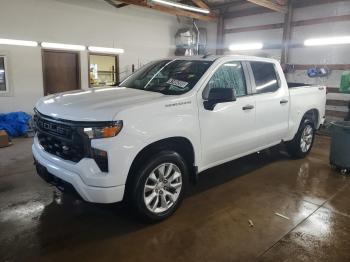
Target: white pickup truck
144,140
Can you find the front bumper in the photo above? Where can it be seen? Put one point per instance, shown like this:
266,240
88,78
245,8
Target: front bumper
75,174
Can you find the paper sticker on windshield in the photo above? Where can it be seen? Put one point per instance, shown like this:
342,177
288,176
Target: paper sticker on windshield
177,83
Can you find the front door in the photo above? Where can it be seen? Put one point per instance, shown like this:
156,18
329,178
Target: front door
61,71
227,131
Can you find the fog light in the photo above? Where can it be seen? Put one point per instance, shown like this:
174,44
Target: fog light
101,158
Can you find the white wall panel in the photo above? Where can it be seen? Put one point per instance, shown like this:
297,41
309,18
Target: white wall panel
300,76
319,11
253,20
300,33
265,36
320,55
338,108
338,96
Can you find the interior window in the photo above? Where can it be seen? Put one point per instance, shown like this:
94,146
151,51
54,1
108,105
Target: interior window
265,77
103,70
3,87
229,75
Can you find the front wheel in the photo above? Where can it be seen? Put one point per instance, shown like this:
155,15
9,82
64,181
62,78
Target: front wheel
302,142
158,187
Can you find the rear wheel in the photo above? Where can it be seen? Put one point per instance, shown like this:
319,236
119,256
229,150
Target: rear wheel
158,186
302,142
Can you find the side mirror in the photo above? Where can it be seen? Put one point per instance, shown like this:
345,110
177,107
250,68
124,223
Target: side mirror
219,95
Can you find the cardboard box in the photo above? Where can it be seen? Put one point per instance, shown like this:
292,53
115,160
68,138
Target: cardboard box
4,139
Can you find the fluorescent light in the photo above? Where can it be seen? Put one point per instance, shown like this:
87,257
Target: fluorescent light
246,46
17,42
106,50
63,46
182,6
327,41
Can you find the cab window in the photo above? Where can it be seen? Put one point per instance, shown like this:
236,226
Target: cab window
265,77
228,75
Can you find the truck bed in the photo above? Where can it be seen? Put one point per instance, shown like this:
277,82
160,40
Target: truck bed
304,98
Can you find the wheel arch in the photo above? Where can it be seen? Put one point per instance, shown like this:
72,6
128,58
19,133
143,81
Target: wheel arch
312,115
181,145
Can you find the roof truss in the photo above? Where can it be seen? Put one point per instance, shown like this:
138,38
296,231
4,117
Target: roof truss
172,10
270,5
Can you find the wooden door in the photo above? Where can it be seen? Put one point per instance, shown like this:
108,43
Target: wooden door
61,70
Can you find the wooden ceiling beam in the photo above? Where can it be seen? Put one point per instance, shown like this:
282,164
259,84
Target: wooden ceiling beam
228,5
201,4
258,10
270,5
171,10
314,21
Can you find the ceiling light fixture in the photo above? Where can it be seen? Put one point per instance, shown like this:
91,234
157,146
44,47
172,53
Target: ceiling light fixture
63,46
106,50
327,41
246,46
17,42
182,6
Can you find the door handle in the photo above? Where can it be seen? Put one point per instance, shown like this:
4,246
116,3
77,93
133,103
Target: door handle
283,101
248,107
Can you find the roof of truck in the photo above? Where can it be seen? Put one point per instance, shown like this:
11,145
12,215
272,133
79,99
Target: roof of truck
215,57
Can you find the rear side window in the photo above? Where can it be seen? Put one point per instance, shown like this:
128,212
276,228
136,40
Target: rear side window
265,77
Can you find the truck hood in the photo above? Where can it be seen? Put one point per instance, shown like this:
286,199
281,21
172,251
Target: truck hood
95,104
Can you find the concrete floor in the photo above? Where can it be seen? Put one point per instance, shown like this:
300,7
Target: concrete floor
37,223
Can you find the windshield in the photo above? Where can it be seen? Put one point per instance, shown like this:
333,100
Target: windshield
170,77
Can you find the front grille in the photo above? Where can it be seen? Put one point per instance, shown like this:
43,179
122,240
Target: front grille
61,148
54,128
66,139
61,138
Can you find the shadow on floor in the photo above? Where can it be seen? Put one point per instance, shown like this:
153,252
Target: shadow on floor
223,173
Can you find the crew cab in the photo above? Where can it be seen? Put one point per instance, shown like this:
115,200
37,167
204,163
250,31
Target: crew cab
146,139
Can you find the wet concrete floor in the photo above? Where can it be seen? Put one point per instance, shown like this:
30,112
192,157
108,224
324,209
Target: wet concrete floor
38,223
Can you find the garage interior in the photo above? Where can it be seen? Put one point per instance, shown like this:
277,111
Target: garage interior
262,207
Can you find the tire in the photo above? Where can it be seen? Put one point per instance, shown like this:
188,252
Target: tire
302,142
153,197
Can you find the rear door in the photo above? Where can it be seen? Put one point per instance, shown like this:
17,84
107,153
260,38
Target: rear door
227,131
272,103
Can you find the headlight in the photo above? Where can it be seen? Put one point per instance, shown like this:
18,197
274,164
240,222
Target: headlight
104,131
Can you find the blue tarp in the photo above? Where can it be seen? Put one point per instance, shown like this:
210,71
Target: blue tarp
15,124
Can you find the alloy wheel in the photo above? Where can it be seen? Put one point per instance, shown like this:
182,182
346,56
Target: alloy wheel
162,188
306,139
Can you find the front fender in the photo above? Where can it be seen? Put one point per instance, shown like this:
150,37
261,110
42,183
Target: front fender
138,132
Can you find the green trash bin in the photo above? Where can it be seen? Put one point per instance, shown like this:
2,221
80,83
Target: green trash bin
345,82
340,146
